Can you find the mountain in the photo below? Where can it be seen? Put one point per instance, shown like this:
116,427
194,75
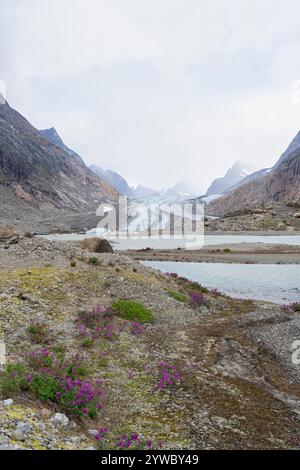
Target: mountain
234,175
114,179
280,184
294,145
52,135
2,99
144,191
38,177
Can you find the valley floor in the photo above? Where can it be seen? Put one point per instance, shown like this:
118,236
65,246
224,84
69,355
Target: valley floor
237,387
248,253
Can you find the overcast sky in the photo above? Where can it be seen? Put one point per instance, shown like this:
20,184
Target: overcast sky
158,90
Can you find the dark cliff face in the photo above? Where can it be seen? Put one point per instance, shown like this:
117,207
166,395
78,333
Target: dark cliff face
282,184
52,135
41,173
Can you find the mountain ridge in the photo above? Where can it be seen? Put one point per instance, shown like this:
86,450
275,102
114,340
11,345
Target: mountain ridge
39,177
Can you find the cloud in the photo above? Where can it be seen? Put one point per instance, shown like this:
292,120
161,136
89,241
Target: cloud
160,90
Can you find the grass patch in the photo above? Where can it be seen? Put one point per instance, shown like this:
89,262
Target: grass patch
38,334
94,261
132,311
177,296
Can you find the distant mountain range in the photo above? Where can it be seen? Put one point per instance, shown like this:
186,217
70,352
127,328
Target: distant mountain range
279,184
114,179
122,186
234,175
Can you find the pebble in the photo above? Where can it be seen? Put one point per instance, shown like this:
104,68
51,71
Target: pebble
8,402
60,419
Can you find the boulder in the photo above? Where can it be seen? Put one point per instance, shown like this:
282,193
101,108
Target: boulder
6,233
96,245
297,215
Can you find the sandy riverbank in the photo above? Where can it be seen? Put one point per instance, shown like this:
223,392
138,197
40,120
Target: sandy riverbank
249,253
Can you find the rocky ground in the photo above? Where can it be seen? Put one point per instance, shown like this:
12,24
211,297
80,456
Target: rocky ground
245,253
276,217
237,386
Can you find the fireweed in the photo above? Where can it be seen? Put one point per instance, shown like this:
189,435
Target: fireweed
197,299
56,380
125,441
100,322
168,375
294,306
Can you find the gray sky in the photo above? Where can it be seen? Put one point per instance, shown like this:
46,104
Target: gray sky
159,90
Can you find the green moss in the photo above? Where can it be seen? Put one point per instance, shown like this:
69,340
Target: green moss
178,296
129,310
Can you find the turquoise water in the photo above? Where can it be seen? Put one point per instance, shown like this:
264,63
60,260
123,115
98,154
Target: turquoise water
274,283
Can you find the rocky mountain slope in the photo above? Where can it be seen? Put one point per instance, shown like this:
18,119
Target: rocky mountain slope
53,136
237,173
39,178
279,185
113,178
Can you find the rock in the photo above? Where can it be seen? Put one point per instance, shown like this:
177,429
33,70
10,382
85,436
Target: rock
9,447
28,235
60,419
24,428
19,435
46,413
297,215
6,233
96,245
41,426
8,402
93,432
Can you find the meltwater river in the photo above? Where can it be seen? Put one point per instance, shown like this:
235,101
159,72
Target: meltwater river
274,283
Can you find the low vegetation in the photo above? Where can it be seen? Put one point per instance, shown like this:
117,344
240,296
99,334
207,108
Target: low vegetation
178,296
133,311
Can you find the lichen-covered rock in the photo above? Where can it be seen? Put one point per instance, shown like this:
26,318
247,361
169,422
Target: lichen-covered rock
96,245
60,419
6,233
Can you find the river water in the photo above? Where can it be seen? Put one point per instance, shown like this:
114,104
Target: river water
274,283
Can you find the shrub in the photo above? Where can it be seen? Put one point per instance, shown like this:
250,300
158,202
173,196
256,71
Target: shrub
187,284
294,306
132,311
73,264
227,250
178,296
94,261
95,323
38,334
44,386
197,299
15,378
87,343
55,380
